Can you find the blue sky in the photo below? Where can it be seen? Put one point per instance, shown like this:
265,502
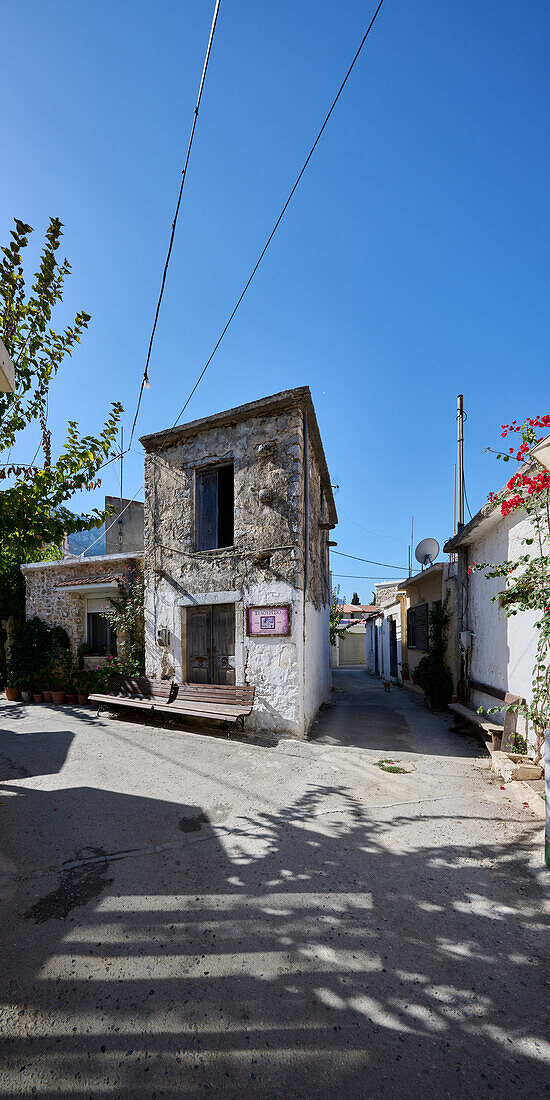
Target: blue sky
411,266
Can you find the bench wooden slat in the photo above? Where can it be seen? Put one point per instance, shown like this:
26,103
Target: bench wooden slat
210,708
223,702
122,701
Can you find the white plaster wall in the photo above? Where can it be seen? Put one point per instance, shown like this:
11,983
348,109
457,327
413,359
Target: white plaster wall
503,649
371,627
317,661
275,666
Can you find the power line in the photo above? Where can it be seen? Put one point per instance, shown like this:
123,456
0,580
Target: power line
369,561
280,218
145,379
376,534
265,248
355,577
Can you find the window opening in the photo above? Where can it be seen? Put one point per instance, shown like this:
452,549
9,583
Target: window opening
214,507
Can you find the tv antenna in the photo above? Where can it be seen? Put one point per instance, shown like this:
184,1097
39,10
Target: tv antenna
426,552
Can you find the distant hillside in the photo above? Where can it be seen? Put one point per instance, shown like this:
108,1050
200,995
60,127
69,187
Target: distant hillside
81,542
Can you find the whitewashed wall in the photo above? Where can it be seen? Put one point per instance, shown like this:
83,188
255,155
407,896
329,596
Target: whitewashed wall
503,649
317,662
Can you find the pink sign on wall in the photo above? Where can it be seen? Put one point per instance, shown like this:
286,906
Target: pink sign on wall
268,622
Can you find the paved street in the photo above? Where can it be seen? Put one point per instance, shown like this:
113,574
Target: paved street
184,913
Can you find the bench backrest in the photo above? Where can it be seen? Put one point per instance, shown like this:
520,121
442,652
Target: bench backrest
233,695
140,686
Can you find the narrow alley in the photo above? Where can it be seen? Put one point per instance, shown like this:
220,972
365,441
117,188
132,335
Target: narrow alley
287,919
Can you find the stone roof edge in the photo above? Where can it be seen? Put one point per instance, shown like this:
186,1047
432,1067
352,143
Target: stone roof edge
27,566
299,397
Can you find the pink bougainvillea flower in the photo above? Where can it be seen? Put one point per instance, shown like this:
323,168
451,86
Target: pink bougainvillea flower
503,788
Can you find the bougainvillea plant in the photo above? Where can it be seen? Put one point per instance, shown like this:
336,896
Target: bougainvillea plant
527,577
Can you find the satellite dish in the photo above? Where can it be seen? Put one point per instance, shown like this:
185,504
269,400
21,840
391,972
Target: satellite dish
426,552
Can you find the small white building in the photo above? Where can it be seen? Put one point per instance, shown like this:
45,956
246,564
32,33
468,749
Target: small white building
384,657
238,514
350,649
496,653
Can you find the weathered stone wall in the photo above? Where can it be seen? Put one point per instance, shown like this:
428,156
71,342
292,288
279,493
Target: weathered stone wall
268,457
66,609
318,588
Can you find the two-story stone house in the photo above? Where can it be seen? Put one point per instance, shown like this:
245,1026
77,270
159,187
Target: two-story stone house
238,510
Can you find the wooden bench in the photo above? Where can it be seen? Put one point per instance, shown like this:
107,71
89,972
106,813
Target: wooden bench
139,692
222,702
497,738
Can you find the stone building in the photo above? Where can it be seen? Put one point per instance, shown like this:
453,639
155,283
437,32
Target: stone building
71,591
238,510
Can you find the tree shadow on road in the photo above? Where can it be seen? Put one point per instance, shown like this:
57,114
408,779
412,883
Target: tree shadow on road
295,953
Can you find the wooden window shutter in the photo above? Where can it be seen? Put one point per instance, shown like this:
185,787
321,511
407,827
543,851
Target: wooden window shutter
206,534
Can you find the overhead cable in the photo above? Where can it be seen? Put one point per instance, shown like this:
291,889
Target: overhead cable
279,219
369,561
145,379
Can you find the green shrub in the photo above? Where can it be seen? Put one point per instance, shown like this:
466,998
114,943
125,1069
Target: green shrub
59,667
434,679
432,674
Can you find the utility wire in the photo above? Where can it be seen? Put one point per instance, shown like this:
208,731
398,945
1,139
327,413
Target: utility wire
356,577
384,564
279,219
145,378
262,254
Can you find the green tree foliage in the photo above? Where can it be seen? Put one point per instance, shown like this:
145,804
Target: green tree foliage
432,674
335,617
126,616
33,506
355,599
33,645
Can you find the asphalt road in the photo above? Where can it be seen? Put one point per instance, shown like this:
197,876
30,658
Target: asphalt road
181,913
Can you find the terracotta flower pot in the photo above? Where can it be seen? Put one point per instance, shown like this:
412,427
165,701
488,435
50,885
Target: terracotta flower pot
58,696
47,696
12,694
37,696
71,699
83,697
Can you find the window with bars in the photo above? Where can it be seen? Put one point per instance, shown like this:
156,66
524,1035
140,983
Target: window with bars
417,627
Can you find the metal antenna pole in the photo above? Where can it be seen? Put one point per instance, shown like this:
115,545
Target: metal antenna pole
460,462
121,476
454,499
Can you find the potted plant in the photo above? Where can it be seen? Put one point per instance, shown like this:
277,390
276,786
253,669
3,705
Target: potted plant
12,689
38,680
84,683
71,696
47,693
60,667
26,693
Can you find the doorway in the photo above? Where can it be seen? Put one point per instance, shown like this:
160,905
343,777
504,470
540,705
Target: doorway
211,644
393,648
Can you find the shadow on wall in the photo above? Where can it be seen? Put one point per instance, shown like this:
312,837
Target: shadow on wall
292,955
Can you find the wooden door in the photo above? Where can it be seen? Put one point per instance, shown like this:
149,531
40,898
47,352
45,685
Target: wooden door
211,644
199,645
393,647
223,643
